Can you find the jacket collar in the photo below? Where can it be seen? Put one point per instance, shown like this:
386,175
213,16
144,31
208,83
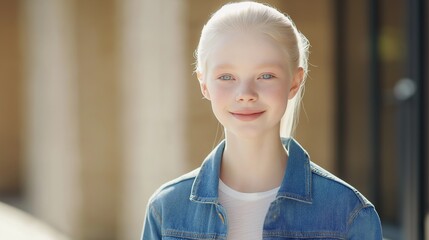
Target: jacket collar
296,184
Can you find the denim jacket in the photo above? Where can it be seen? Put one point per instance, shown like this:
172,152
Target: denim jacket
310,204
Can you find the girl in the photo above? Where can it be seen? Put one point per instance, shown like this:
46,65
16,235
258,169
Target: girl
257,183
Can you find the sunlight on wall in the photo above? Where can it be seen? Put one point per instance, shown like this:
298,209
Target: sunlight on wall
18,225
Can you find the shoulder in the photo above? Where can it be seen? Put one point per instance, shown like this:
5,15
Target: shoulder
174,190
333,195
335,187
337,199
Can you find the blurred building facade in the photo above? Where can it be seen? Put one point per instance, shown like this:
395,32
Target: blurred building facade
99,106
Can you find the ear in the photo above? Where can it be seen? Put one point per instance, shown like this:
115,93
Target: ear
298,77
203,86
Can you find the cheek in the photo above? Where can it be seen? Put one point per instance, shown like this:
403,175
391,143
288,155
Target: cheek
218,94
219,100
278,94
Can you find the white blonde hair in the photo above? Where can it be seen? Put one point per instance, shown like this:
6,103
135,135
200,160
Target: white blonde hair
268,20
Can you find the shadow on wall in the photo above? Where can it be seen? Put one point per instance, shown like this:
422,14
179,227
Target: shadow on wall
18,225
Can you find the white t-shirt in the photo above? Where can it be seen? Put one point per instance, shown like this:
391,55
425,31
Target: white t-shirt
245,211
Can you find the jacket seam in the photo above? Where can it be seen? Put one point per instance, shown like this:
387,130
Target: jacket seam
303,235
156,215
354,215
309,180
191,235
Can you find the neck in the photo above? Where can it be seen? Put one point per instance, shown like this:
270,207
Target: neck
253,164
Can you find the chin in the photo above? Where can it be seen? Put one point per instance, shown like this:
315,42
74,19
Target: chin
250,132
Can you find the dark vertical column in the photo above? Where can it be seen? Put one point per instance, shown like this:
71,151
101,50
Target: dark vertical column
340,91
412,125
417,45
425,115
375,103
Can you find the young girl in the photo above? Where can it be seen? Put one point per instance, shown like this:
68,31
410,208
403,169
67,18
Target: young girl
256,184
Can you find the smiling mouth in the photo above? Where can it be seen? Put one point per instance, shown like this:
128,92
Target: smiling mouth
247,116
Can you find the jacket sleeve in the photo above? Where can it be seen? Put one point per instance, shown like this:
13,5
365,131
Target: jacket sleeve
365,224
151,225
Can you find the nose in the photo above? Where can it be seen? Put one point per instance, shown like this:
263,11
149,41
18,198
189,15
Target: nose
246,92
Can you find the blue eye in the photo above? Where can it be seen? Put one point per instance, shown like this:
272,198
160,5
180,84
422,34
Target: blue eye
226,77
266,76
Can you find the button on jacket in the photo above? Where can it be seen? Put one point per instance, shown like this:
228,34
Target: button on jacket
310,204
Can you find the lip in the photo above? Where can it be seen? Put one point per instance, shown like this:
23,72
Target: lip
247,115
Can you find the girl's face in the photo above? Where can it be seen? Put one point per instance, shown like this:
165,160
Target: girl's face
248,81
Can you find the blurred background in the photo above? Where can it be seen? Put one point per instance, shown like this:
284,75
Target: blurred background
99,107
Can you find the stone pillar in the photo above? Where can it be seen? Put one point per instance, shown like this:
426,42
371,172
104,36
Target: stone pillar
153,96
98,77
50,133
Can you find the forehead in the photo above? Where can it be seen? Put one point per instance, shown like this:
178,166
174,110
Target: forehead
246,49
